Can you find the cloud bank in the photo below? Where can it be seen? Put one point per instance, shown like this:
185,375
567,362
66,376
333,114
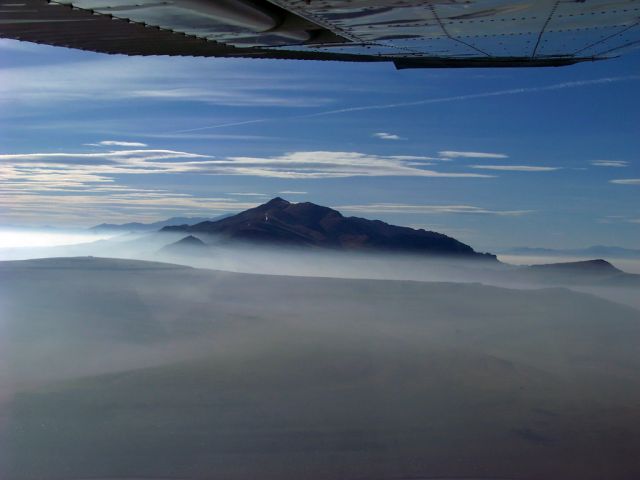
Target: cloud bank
83,185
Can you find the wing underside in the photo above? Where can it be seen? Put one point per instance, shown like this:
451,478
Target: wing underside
409,33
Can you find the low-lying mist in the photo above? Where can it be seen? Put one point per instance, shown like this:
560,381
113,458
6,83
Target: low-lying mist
130,369
511,272
118,359
14,240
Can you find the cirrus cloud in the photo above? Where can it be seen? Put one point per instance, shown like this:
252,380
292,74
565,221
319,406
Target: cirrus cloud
387,136
610,163
516,168
626,181
54,184
77,170
118,143
334,164
429,209
458,154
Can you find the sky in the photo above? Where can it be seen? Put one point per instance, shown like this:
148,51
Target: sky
543,157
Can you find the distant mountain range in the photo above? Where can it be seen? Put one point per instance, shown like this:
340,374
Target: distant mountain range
592,267
151,227
306,225
593,251
279,222
596,271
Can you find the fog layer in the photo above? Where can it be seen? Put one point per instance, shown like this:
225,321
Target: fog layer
128,369
212,252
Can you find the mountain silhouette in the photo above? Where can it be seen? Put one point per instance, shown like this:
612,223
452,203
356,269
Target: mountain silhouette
590,267
188,245
279,222
602,251
586,272
150,227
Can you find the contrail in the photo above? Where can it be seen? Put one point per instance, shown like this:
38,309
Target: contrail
223,125
456,98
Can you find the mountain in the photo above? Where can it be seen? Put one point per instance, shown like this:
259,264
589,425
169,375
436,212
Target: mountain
593,251
595,272
148,227
279,222
189,245
591,267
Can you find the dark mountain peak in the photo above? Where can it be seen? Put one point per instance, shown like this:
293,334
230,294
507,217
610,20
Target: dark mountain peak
280,211
275,203
307,224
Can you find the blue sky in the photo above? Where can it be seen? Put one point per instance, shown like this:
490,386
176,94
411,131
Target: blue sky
496,158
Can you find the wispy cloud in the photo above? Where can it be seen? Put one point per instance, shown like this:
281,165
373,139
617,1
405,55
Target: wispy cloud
516,168
617,219
76,169
93,172
329,164
122,157
118,143
610,163
208,136
457,154
472,96
428,209
387,136
96,180
626,181
428,101
118,78
247,194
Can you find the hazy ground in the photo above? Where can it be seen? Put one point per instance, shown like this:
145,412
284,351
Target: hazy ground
124,369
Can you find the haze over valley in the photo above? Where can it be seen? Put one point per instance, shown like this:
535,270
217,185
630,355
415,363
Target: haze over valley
305,335
188,371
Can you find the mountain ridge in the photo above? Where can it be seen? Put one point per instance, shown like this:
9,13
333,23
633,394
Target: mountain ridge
596,267
148,227
306,224
593,250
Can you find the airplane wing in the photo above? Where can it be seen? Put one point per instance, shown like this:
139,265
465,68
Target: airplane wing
409,33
